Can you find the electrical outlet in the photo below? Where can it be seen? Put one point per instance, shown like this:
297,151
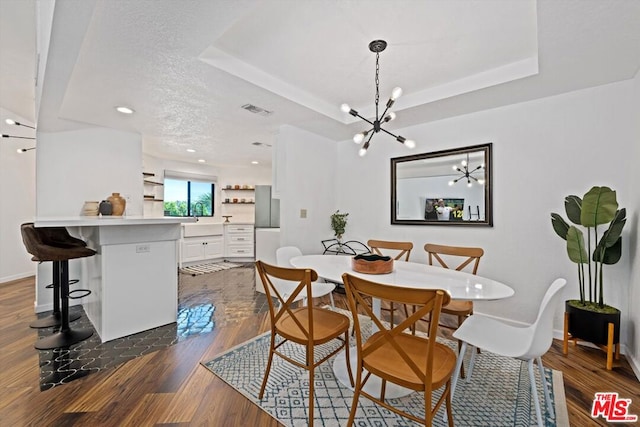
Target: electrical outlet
303,213
142,249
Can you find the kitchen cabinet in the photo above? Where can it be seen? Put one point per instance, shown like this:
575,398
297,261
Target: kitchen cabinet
202,248
238,241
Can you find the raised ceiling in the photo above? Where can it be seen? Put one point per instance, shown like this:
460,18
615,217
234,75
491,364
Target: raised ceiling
188,67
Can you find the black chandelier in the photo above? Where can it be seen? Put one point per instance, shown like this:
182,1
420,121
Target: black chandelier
376,47
466,173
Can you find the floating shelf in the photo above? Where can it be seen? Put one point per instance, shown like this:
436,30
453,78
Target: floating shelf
238,203
152,182
238,189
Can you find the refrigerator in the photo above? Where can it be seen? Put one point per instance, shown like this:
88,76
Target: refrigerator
267,228
267,208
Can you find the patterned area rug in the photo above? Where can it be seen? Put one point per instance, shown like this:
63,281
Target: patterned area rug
498,394
196,270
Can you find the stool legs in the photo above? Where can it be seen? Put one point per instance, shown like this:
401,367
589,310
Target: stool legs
66,336
54,319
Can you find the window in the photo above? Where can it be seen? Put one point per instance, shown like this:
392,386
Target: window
188,197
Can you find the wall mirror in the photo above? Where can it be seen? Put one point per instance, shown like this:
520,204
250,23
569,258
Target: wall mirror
448,187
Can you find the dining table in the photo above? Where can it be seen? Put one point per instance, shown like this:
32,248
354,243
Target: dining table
460,286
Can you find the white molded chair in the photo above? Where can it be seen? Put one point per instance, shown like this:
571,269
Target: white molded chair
318,289
523,343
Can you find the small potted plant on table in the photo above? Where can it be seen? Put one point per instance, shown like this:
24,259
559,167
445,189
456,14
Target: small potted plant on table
589,318
338,224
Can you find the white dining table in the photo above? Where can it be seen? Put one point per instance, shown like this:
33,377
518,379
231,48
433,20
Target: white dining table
460,285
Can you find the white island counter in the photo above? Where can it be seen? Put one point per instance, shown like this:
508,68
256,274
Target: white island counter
133,278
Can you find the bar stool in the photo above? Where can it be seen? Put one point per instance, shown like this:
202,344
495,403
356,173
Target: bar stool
57,236
41,251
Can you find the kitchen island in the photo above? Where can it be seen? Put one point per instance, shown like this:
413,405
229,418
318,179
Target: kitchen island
132,278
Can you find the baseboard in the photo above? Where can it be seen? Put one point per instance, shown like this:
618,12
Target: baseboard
15,277
633,362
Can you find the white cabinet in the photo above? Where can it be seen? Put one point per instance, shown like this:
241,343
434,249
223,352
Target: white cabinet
238,241
202,248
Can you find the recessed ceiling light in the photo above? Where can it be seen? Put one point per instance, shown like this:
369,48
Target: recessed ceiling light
191,150
124,110
255,162
201,160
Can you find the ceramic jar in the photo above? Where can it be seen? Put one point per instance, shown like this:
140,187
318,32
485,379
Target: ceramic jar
90,208
118,204
106,208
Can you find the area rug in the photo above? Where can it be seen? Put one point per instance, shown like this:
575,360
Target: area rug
499,393
210,267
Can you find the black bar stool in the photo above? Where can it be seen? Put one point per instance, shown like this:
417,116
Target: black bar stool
41,251
57,236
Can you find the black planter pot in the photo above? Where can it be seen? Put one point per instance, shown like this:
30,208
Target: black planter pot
592,326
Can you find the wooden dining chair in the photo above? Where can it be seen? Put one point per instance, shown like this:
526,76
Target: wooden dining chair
398,251
416,362
458,258
308,326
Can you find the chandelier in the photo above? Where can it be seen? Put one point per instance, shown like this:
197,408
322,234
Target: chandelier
376,47
466,173
14,123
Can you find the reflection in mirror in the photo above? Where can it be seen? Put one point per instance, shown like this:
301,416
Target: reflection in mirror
449,187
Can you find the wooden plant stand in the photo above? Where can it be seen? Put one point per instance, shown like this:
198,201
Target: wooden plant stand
612,350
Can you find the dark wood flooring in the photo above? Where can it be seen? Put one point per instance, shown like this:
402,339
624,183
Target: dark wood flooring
170,387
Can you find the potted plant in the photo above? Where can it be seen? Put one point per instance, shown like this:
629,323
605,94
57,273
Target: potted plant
338,224
598,210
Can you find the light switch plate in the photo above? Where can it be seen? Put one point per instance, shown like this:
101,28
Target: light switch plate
303,213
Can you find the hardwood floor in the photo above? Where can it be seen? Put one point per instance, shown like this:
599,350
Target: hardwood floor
170,387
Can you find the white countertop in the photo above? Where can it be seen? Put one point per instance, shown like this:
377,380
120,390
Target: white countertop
88,221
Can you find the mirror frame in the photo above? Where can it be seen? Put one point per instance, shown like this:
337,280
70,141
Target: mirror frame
488,199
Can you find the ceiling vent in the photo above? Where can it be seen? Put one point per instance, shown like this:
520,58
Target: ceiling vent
256,110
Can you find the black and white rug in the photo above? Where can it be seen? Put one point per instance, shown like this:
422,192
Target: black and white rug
209,267
497,395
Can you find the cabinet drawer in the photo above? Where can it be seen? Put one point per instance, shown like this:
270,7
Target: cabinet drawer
240,238
241,250
233,229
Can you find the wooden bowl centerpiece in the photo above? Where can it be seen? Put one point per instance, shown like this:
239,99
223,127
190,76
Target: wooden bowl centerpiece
372,264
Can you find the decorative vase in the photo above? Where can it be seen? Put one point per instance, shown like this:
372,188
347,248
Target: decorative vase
118,204
106,208
90,208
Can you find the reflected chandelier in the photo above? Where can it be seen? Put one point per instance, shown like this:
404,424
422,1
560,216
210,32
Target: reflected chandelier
376,47
466,173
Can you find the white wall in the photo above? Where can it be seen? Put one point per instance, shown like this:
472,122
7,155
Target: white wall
633,215
306,180
87,164
17,198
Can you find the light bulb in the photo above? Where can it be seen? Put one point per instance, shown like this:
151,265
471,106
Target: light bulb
469,184
450,183
481,181
410,143
454,167
21,150
358,137
464,163
10,122
362,152
345,108
396,93
390,116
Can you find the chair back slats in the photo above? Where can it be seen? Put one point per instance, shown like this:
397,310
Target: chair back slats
427,301
403,248
469,254
304,277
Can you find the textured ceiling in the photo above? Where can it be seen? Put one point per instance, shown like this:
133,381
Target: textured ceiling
188,67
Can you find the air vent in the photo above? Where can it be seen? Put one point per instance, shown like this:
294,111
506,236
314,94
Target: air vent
256,110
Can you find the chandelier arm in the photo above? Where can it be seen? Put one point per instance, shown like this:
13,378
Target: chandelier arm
474,178
389,133
19,137
384,112
366,120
